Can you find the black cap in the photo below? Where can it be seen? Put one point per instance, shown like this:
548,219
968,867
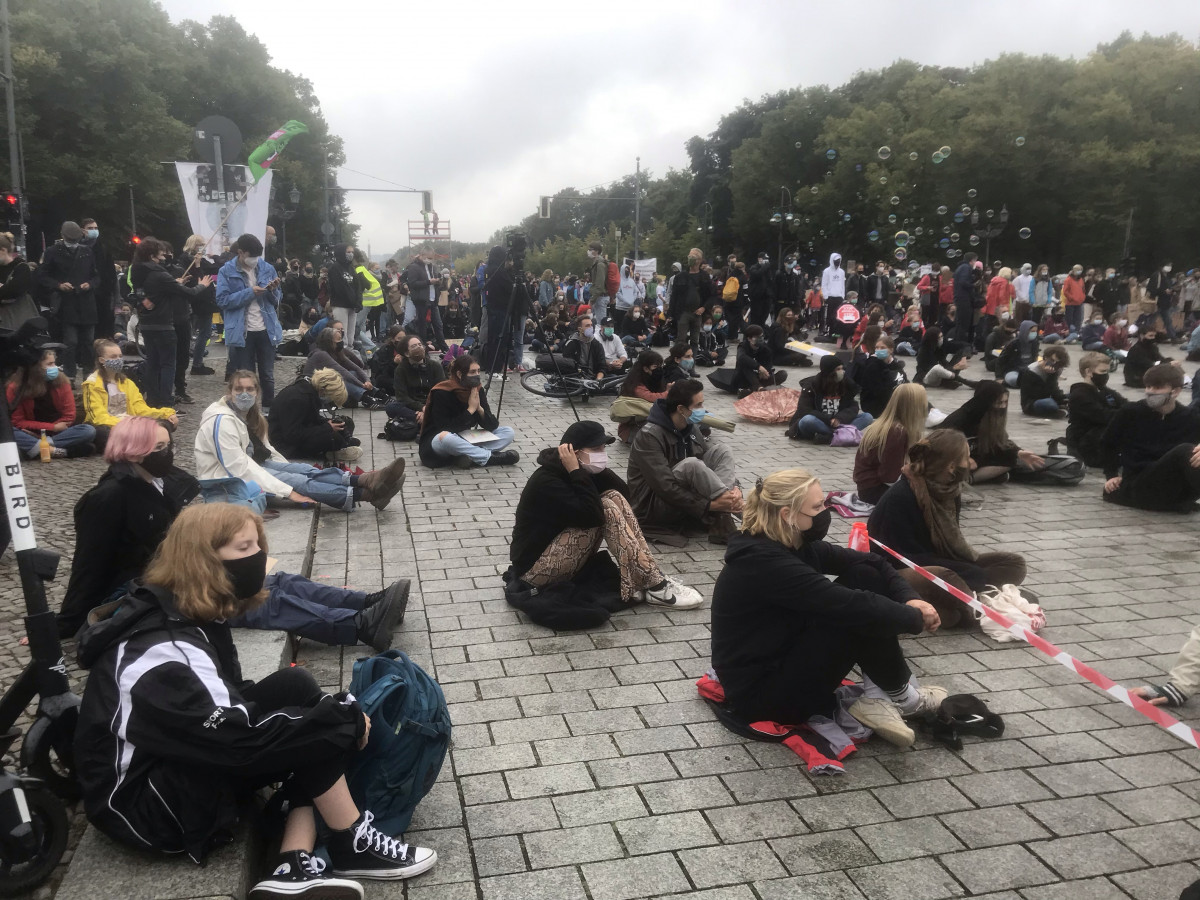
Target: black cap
582,435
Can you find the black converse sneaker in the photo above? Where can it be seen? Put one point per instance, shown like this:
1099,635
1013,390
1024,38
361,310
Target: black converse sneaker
299,874
363,851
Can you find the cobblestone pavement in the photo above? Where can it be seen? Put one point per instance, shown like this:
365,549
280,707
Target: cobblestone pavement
585,766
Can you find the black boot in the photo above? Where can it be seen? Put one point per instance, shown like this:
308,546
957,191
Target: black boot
397,590
376,623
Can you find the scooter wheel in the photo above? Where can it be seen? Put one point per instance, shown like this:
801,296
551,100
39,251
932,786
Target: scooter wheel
47,753
22,870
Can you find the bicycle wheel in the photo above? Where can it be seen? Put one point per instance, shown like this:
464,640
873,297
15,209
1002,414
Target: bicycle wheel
22,870
546,384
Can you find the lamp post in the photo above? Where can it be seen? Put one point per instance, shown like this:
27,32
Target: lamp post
285,215
782,214
706,221
989,231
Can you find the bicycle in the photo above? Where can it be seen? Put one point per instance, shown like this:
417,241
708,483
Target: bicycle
569,385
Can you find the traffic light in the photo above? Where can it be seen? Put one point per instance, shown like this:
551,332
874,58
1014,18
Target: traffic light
544,208
426,201
12,209
135,240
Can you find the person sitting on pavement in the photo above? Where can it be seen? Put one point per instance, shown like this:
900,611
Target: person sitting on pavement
784,637
171,739
884,447
983,420
827,402
120,522
1144,355
644,382
1017,354
457,409
1116,338
40,401
616,358
918,517
939,361
1151,457
383,361
414,377
330,352
754,369
677,478
232,442
635,330
1092,406
879,375
585,350
302,425
680,364
997,341
109,396
1183,681
571,503
783,332
1091,336
711,349
1040,392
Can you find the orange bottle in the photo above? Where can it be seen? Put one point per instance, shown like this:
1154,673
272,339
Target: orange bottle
44,448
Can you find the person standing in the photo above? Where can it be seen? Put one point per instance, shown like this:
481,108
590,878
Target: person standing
964,300
1074,293
106,283
248,294
690,296
597,270
345,291
833,288
1158,286
204,304
69,276
762,290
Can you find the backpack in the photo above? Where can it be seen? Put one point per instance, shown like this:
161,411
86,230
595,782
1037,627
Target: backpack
1059,470
400,430
410,733
729,293
612,280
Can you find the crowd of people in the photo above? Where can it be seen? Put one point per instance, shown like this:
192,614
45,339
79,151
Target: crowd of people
158,581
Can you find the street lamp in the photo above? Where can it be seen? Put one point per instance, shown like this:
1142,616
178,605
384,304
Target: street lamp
781,215
285,215
706,221
989,231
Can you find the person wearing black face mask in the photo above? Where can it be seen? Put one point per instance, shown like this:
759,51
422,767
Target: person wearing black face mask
457,425
1092,406
918,518
784,636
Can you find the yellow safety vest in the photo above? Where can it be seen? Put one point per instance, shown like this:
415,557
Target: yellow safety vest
373,295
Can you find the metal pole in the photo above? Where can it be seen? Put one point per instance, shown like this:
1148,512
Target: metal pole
637,209
325,172
14,162
132,213
219,163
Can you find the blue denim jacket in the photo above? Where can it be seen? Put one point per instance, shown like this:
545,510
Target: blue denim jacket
234,295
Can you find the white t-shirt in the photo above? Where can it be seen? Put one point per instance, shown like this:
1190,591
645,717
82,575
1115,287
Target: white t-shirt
254,316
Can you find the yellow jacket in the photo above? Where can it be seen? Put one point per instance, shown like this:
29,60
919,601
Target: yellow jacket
95,402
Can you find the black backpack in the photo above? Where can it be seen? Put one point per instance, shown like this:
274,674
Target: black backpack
1059,470
400,430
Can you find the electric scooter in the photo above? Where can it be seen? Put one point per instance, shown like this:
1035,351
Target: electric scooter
33,817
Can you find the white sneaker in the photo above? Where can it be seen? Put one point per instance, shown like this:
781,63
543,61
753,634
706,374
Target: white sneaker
883,717
346,454
674,595
930,701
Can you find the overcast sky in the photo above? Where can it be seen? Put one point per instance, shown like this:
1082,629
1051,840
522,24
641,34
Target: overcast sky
603,84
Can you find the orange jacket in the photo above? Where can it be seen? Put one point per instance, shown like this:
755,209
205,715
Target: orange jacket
1072,291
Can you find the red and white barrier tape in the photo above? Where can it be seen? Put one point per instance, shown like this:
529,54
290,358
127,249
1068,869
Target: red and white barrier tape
1155,714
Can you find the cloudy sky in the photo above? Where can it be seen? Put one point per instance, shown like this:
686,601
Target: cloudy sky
602,85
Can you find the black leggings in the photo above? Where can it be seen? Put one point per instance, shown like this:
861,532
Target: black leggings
1168,484
313,775
820,657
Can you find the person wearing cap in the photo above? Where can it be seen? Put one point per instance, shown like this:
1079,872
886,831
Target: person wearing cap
248,292
68,276
615,355
301,424
572,503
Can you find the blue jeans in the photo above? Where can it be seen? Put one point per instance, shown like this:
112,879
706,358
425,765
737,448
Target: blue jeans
1044,407
1164,313
1011,378
257,356
414,322
810,425
1074,318
320,612
355,391
453,445
160,366
328,486
1051,338
69,437
599,309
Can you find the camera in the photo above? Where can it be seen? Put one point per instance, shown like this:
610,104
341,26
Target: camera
24,347
516,243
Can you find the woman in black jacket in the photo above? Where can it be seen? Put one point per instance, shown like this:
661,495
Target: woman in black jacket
572,503
983,420
204,304
878,376
784,637
1143,355
1092,406
16,285
939,361
827,402
171,738
754,369
301,426
456,423
782,332
164,302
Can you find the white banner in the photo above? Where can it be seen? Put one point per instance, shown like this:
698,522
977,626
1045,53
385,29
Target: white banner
244,202
644,267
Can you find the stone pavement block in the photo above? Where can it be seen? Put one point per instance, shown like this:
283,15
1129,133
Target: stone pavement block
555,703
632,770
534,728
498,856
585,748
418,891
862,773
823,852
1092,889
924,798
916,879
842,811
825,886
1147,806
997,868
989,827
646,740
756,821
1079,815
924,764
712,760
454,855
606,805
999,788
712,866
483,788
676,831
546,884
1077,779
1085,855
1151,769
1161,883
511,817
492,759
684,794
603,721
440,808
773,784
639,876
908,838
1074,747
570,846
1138,739
546,780
1164,844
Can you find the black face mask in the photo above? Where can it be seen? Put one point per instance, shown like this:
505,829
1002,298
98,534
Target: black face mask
1100,380
473,381
339,346
819,528
248,574
159,462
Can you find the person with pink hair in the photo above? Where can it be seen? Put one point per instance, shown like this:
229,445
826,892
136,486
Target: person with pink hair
120,522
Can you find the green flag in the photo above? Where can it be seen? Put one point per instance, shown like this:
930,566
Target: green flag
260,160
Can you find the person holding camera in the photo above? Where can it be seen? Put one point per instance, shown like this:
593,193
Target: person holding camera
248,292
302,425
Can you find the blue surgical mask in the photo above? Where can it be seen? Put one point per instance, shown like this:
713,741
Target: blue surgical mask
589,332
697,414
881,353
51,373
688,364
93,233
244,401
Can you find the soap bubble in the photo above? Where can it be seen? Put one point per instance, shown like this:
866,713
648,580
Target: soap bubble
914,156
913,266
858,167
872,236
954,238
895,201
950,254
846,217
1020,142
892,219
883,179
944,243
990,213
884,152
937,158
901,238
919,231
1024,234
966,210
831,153
829,173
958,217
900,253
973,240
798,145
840,211
945,229
945,151
971,193
942,210
814,189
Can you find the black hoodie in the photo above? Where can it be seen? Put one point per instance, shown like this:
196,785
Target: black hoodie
554,500
767,594
345,291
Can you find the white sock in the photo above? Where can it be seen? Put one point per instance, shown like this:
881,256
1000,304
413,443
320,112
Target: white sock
906,698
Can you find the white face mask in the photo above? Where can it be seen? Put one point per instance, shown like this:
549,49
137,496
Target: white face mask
252,262
597,461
